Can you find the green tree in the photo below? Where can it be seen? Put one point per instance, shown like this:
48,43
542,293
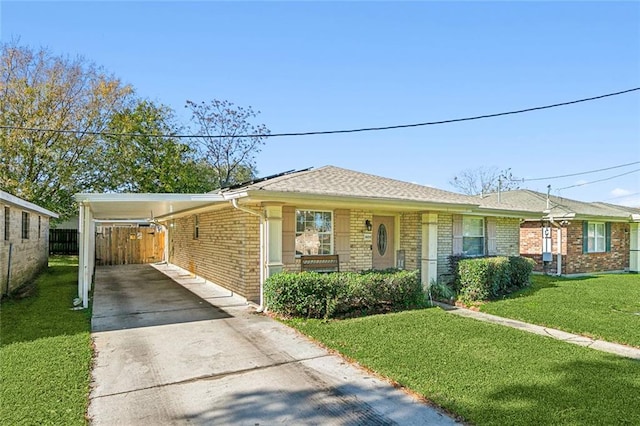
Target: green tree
44,91
228,139
144,157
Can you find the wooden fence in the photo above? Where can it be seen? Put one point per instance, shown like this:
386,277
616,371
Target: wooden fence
63,241
129,245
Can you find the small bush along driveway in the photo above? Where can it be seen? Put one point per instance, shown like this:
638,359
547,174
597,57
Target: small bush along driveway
605,307
486,373
45,352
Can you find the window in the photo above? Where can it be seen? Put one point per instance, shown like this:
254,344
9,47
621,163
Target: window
472,236
314,232
25,225
39,226
596,239
196,227
7,223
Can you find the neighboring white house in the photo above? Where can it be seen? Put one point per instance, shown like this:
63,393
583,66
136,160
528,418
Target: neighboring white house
24,248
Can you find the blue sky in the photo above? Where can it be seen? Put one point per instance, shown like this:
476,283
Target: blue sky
332,65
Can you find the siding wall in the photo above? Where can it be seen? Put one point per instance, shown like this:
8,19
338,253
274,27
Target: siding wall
28,257
227,251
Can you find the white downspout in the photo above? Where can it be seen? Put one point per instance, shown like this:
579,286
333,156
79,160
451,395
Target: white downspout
234,202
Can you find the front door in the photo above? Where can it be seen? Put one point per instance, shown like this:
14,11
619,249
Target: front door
383,237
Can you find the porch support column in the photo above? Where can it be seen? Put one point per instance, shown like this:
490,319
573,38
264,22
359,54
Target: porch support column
86,260
273,239
634,247
429,261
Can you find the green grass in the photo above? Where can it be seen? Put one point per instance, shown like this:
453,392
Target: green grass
45,352
486,373
606,307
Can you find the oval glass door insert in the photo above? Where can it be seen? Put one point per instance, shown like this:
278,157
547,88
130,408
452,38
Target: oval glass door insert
382,239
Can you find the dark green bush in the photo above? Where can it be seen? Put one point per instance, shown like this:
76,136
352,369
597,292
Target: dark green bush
521,268
313,295
489,277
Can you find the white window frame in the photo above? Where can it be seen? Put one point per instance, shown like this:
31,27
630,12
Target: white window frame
330,234
196,227
596,241
482,235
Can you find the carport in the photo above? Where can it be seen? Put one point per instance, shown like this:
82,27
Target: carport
153,208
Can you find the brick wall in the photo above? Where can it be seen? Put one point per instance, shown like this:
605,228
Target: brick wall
507,236
28,256
574,261
531,246
227,251
445,242
616,260
411,239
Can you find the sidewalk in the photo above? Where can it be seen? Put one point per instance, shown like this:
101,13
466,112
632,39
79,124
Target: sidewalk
600,345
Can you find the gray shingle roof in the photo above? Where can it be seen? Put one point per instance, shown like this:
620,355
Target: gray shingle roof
336,181
559,206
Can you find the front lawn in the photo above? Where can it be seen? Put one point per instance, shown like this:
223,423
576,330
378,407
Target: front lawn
606,307
45,352
486,373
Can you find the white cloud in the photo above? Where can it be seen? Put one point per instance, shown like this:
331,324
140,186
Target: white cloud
581,182
619,192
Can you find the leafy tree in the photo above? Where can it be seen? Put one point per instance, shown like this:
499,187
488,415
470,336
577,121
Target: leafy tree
41,90
483,180
226,141
142,158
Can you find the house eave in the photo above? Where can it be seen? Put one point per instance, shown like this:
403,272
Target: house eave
7,198
351,201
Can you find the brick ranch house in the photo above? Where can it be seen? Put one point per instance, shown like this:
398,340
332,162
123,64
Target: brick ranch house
24,251
241,235
577,237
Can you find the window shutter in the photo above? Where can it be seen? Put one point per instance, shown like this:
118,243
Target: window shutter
288,235
607,236
342,225
457,234
585,237
492,243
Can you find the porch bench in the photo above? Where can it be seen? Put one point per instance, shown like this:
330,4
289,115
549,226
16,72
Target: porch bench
323,263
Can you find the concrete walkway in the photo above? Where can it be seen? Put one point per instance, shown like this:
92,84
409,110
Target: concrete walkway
190,352
601,345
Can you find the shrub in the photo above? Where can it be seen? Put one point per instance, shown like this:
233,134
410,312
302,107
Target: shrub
490,277
521,268
314,295
440,290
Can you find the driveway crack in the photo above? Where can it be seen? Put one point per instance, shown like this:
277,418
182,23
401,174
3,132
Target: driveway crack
214,376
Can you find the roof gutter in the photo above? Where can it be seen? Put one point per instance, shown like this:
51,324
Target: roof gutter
234,203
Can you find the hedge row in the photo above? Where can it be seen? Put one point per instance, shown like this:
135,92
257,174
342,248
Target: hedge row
314,295
488,278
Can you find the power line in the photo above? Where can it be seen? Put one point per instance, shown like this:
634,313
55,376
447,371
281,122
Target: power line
576,174
622,196
328,132
599,180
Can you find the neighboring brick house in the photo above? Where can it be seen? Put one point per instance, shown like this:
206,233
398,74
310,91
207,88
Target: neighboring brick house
577,237
24,250
263,227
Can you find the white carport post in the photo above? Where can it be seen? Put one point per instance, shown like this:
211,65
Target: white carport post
86,260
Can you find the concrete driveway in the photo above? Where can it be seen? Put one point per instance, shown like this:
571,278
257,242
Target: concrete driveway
171,349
